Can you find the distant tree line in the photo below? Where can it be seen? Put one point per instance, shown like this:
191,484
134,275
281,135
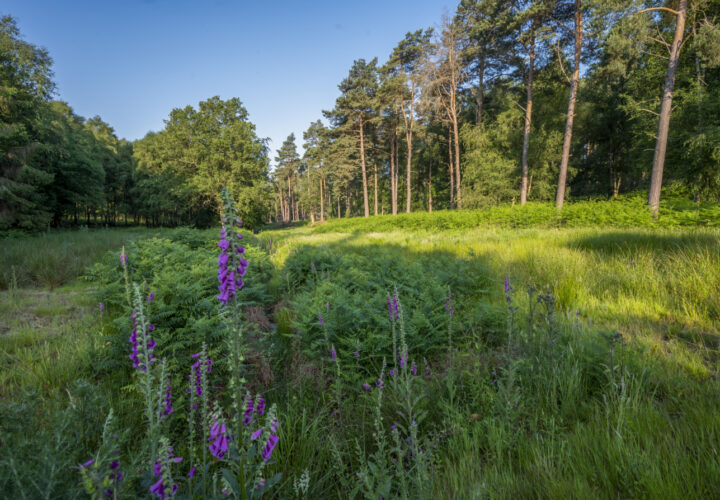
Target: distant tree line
505,101
58,168
508,101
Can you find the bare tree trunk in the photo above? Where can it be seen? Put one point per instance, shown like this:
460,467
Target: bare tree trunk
338,204
456,139
393,176
528,119
376,187
364,172
409,139
322,200
289,207
451,167
562,179
430,187
665,109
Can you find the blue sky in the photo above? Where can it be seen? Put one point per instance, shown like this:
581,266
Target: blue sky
131,61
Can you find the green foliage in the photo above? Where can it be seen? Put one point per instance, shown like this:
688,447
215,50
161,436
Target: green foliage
181,271
224,151
629,211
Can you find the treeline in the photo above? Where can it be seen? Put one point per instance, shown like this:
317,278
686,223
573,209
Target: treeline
58,168
509,101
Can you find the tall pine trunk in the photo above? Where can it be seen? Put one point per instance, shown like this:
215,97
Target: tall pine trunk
665,109
376,187
322,200
528,119
393,172
430,187
364,172
562,178
456,140
451,168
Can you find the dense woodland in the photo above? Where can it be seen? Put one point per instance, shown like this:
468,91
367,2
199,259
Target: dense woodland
502,102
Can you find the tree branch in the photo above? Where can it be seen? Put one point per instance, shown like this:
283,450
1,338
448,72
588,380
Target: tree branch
667,9
562,25
562,67
649,111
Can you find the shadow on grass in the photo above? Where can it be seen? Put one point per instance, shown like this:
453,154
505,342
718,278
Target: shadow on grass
633,241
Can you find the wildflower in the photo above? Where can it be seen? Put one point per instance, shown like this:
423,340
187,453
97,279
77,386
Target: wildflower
366,386
356,355
151,297
393,426
159,488
312,266
448,304
414,368
231,264
192,472
256,434
261,483
632,262
219,438
101,306
270,446
260,409
123,257
320,319
248,415
138,346
168,402
88,463
390,310
333,354
116,475
196,373
508,287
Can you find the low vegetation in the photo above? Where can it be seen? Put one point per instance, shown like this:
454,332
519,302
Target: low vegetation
414,361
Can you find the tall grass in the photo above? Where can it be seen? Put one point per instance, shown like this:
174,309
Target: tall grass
56,257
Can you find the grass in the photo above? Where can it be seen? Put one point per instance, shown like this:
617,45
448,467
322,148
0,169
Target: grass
605,384
59,256
48,338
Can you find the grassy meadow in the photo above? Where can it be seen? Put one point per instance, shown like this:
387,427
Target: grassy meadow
544,360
